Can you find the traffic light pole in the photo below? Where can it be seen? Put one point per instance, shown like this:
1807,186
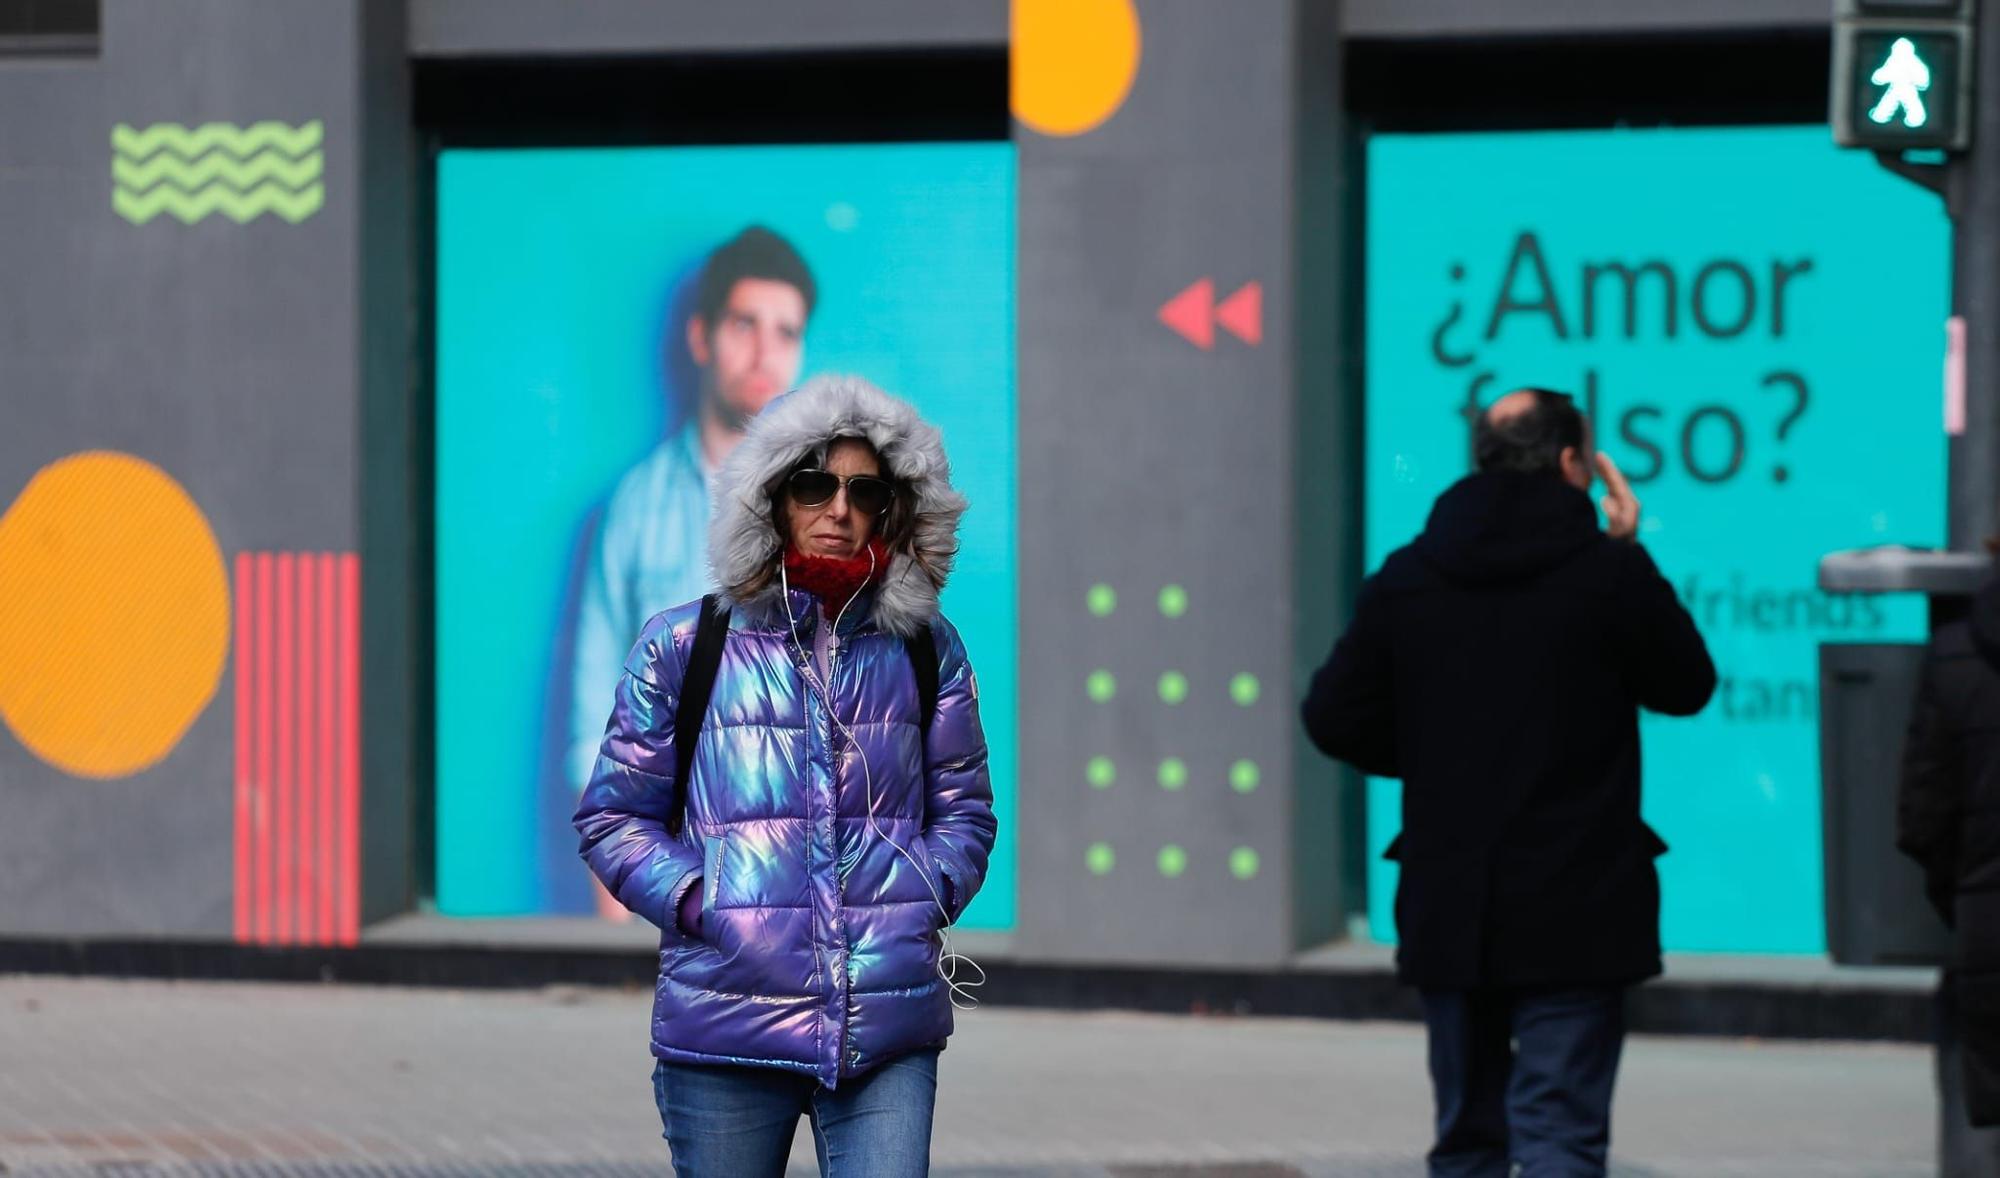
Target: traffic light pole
1969,181
1972,197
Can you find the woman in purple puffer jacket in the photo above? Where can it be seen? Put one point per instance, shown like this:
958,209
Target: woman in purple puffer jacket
829,837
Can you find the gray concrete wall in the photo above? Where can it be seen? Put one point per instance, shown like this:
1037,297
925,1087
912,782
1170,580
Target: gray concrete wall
272,368
501,28
1488,18
1147,462
231,355
473,28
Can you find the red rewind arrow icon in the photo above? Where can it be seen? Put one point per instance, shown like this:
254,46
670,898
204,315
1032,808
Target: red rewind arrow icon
1193,314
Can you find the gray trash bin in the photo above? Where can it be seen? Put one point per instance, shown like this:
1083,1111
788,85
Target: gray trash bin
1876,913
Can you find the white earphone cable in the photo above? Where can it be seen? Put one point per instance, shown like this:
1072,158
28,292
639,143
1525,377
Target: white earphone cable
962,996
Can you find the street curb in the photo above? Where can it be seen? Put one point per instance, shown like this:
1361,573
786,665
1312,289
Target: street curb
1774,1009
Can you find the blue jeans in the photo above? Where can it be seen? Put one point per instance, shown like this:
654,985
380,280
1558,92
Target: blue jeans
1524,1077
733,1122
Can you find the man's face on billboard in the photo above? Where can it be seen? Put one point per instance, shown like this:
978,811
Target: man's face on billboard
754,349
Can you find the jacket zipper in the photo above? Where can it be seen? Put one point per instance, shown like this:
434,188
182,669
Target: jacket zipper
833,794
837,975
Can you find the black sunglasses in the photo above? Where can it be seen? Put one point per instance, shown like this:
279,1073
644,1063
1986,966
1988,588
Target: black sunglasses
866,493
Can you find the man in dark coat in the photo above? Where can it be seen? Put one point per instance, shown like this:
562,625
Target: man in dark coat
1497,665
1948,820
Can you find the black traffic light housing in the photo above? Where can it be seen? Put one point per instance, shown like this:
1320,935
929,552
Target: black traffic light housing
1902,74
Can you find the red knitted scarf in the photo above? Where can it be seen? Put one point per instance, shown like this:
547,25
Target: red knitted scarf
833,580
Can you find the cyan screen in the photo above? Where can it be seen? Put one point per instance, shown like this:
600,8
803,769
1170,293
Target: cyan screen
564,281
1755,320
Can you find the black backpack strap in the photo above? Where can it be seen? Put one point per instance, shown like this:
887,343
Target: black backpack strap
697,682
922,649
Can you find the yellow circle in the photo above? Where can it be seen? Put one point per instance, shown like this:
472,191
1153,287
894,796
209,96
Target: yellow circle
1073,62
114,614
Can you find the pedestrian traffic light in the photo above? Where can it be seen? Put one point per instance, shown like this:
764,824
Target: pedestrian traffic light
1902,72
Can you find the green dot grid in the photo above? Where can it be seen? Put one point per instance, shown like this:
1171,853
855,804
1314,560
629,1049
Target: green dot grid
1244,776
1101,772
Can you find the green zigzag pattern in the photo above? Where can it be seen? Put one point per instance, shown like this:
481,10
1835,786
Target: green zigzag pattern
190,142
256,170
240,172
240,207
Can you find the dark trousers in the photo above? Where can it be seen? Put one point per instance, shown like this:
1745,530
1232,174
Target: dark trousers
1523,1078
1963,1151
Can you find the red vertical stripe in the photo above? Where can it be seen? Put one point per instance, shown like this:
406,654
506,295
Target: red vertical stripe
309,869
261,787
350,747
285,785
241,786
297,786
329,871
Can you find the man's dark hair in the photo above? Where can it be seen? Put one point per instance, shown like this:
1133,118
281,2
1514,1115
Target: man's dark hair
1530,441
754,253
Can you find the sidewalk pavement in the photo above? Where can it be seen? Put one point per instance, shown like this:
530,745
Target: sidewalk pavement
101,1077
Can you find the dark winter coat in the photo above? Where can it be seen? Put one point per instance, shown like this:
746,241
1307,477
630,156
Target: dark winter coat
1497,665
1948,820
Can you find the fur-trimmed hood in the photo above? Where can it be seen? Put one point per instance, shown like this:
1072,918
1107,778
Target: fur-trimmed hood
742,540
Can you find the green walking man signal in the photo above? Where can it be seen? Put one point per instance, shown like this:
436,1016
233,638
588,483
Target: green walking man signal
1902,74
1903,79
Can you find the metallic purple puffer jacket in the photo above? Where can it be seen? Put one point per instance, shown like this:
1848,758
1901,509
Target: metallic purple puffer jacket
819,944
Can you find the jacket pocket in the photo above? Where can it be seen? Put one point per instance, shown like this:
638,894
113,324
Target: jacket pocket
712,857
934,879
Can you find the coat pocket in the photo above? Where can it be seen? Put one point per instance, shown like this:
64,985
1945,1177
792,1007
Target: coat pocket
933,878
713,852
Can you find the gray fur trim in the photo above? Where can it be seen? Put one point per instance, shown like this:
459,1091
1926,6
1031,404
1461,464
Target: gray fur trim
742,541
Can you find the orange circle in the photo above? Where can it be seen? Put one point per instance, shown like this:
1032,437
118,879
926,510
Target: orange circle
114,614
1073,62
